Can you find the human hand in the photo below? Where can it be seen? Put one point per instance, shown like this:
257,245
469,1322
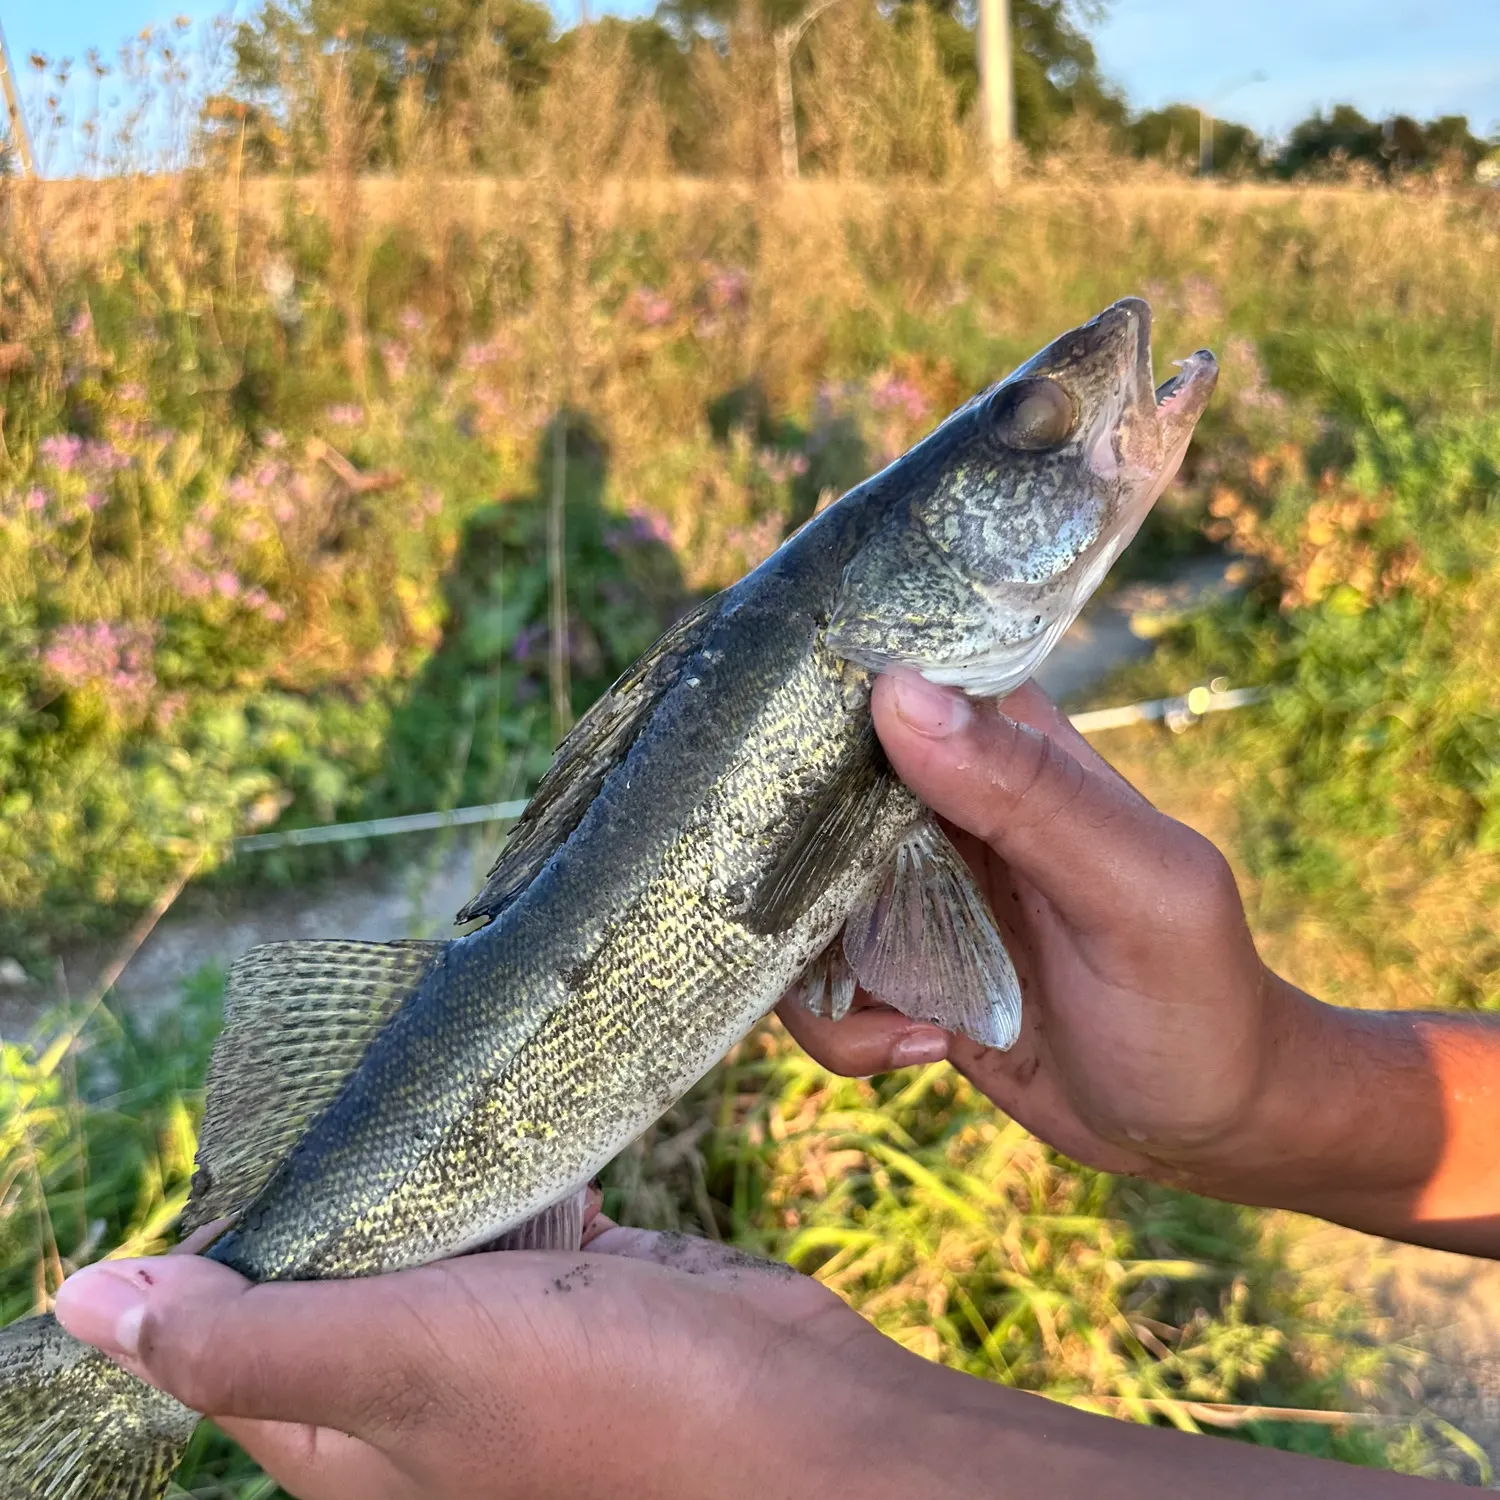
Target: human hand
1149,1021
647,1364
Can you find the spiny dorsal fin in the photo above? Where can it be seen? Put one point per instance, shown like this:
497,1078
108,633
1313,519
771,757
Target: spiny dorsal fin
298,1017
927,945
597,743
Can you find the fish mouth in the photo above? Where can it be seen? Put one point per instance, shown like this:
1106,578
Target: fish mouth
1184,396
1179,400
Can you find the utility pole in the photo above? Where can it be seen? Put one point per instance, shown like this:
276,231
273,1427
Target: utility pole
20,136
997,94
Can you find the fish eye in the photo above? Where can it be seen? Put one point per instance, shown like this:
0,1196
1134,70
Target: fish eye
1033,415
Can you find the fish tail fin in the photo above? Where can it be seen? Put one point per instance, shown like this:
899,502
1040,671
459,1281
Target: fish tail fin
75,1426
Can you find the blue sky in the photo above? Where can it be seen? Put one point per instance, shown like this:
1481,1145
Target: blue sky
1424,57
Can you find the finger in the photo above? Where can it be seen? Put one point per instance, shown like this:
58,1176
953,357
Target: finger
593,1213
315,1463
1029,705
1098,850
874,1040
336,1353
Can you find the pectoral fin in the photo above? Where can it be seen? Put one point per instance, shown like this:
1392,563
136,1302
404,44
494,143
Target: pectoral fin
828,835
926,944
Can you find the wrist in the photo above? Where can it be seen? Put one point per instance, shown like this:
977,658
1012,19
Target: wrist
1341,1121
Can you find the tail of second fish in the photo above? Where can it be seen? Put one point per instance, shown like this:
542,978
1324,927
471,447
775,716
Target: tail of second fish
75,1426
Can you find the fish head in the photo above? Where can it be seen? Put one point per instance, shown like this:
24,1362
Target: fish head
995,530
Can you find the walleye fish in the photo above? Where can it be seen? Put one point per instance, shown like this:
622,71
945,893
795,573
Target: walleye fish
720,827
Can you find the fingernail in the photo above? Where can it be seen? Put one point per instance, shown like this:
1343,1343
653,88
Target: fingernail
933,711
104,1304
926,1046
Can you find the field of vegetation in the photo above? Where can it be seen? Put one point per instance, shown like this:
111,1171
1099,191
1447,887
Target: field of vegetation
335,496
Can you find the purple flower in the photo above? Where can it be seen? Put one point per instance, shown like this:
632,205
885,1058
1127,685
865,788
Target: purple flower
94,500
643,525
61,451
346,414
528,642
168,706
226,584
116,658
192,583
780,468
37,498
760,539
395,356
492,351
101,457
649,308
896,393
728,288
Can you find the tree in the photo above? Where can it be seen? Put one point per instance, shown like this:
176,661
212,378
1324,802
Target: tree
432,49
1056,70
1170,134
1396,144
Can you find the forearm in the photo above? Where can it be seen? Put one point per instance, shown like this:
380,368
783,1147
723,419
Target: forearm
940,1434
1384,1121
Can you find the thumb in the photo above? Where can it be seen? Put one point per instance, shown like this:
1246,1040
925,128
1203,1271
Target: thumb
305,1352
1050,808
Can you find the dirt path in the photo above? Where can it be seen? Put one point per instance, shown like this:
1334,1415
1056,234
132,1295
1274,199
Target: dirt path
1444,1307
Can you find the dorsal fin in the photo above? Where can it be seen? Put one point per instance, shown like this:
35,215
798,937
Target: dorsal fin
597,743
298,1017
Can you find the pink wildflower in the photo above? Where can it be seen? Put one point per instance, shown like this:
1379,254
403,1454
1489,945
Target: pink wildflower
650,309
61,451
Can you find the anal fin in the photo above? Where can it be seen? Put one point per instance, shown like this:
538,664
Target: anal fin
926,944
298,1017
